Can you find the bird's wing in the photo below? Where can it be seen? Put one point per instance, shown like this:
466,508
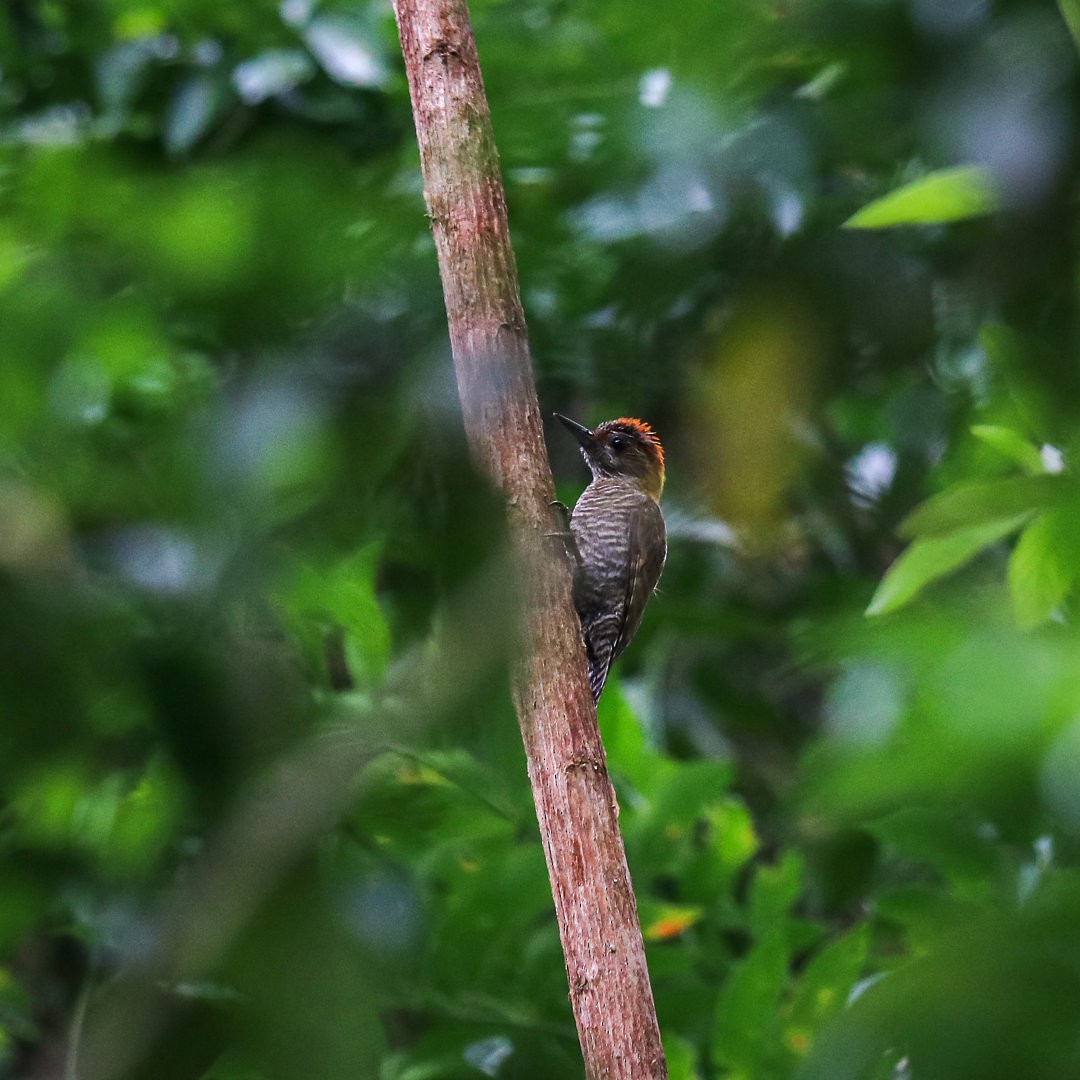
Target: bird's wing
646,555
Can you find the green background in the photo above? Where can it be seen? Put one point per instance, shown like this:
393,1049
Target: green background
263,804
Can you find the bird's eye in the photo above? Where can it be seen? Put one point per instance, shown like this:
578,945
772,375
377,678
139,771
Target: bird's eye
617,442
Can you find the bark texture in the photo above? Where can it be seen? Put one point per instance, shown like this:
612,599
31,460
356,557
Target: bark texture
575,802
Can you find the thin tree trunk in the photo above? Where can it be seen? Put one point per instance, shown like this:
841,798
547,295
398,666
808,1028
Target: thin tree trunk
575,802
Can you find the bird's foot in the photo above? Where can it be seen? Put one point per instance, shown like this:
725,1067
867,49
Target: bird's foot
564,534
563,511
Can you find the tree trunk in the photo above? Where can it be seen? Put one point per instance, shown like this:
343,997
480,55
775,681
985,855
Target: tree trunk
575,802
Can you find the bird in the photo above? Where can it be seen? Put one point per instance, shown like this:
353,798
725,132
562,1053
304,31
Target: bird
617,538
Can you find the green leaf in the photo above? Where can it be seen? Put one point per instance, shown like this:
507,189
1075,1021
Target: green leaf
417,803
774,891
1070,10
690,828
1012,445
1004,347
747,1026
629,754
1043,566
323,598
939,197
948,842
980,504
928,559
922,912
681,1058
825,985
734,838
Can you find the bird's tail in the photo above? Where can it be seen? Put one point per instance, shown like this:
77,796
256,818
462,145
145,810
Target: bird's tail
599,665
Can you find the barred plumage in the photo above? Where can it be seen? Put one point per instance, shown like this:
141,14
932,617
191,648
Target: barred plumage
619,536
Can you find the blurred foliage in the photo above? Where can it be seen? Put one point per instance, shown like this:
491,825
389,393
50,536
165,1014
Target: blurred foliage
238,522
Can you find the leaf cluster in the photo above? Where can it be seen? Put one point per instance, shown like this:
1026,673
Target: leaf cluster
263,806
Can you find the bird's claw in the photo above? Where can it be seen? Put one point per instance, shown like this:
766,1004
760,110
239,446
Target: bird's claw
563,511
564,534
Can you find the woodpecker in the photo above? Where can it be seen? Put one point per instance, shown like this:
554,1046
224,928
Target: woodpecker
619,541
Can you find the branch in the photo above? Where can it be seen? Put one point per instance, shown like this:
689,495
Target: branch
575,802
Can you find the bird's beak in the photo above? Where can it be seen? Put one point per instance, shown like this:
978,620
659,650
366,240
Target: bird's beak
579,431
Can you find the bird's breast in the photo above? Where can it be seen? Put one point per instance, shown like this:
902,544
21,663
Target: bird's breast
602,521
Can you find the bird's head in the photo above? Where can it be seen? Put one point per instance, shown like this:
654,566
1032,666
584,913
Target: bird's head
626,448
